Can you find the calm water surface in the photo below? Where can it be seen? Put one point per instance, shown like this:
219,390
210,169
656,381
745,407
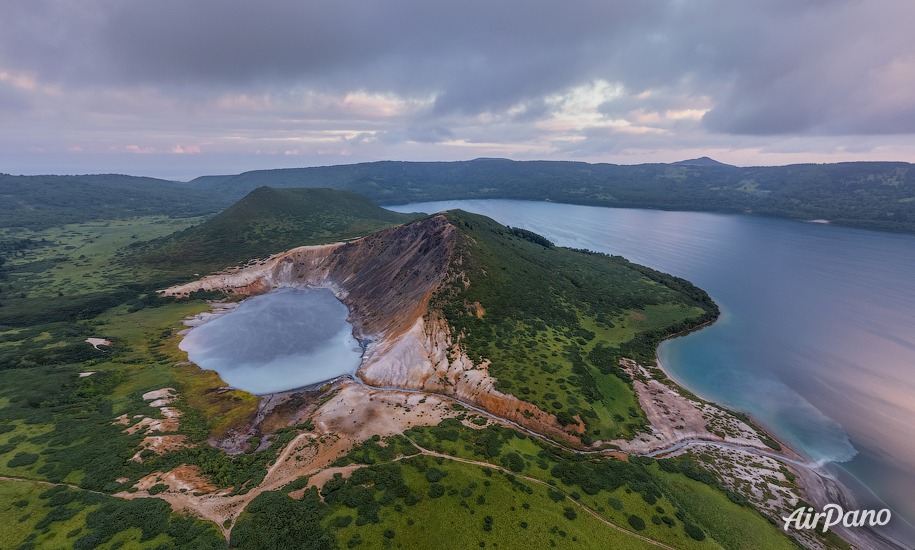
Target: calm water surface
817,336
279,341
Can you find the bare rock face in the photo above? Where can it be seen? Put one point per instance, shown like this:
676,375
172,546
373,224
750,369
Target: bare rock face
386,280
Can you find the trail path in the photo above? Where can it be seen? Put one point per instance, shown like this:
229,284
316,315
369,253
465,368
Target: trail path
51,484
568,497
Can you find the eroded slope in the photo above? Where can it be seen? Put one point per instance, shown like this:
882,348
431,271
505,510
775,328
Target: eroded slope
498,317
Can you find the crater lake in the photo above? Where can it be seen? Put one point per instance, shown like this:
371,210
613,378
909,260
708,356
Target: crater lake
286,339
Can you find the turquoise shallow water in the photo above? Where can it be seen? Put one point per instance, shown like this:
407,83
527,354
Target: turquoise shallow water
817,336
279,341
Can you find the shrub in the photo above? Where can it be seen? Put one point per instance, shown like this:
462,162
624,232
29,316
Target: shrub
694,531
436,491
22,459
434,475
637,523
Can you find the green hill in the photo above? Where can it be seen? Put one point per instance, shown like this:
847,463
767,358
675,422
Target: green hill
875,195
265,222
558,320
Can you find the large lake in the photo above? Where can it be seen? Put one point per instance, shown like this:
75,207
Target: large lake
817,336
279,341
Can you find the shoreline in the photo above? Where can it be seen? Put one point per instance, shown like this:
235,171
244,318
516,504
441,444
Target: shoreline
818,486
753,421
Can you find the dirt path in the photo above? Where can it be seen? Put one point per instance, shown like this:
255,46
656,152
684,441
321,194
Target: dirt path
52,484
597,516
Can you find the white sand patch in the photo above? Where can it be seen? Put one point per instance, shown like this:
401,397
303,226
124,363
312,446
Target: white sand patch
161,444
164,393
675,417
168,424
217,309
96,342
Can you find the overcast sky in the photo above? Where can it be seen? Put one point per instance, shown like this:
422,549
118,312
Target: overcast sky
180,88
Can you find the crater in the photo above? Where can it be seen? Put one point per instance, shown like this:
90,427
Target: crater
279,341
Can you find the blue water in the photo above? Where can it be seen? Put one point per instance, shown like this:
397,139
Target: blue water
817,336
279,341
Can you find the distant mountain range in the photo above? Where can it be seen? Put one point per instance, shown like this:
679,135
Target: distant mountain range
875,195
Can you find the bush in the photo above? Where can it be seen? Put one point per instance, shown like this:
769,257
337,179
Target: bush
569,513
637,523
694,531
513,462
343,521
22,459
434,475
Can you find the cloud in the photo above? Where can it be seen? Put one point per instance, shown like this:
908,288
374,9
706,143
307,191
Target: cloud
138,149
412,78
186,150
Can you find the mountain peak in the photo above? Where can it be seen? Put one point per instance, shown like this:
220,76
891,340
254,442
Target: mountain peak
701,161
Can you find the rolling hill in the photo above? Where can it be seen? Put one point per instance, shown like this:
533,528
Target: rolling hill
264,222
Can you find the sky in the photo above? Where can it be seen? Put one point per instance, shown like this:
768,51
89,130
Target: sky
178,89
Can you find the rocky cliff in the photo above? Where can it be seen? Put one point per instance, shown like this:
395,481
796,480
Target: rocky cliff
387,280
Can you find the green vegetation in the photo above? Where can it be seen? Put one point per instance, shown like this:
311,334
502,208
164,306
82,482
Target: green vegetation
552,498
554,322
875,195
42,516
393,505
265,222
41,202
731,525
50,293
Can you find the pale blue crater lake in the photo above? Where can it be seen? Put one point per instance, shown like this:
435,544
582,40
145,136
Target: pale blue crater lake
817,335
279,341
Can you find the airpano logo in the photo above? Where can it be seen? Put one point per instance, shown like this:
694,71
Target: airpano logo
832,515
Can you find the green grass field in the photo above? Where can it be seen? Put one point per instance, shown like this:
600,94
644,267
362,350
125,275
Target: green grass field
518,493
479,509
80,258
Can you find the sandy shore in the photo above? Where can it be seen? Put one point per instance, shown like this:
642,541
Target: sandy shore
815,485
217,309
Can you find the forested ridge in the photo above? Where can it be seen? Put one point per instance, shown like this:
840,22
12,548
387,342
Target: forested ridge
873,195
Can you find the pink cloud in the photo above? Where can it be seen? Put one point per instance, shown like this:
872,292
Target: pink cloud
186,150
